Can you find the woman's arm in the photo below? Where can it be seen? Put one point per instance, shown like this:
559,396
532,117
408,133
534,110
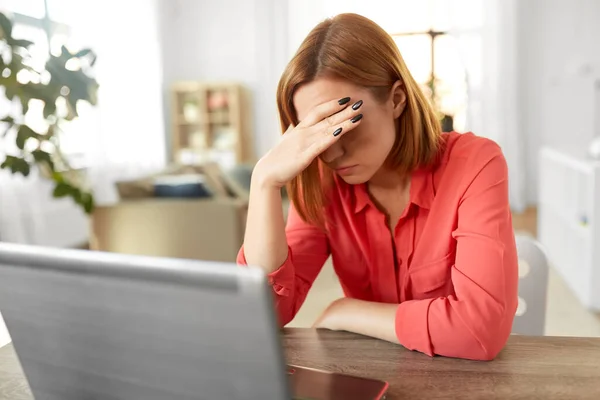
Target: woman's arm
306,250
475,322
291,257
265,244
363,317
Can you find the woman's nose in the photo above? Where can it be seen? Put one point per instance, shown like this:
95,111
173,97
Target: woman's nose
332,153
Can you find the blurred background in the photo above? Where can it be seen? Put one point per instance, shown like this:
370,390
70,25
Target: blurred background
132,126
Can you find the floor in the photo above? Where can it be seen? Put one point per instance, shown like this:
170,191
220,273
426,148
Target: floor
564,314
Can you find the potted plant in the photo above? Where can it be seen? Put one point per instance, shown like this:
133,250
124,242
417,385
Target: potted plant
65,80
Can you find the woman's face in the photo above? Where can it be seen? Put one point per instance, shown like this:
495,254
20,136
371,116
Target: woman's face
359,154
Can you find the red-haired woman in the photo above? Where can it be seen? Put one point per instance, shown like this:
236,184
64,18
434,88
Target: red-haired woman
417,221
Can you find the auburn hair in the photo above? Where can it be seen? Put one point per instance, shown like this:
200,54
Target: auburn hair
354,48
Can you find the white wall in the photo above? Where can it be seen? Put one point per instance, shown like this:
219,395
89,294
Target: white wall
559,56
302,16
228,40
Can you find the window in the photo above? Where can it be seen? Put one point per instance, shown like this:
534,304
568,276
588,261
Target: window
44,22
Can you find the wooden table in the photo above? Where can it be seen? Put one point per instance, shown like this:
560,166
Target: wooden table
528,368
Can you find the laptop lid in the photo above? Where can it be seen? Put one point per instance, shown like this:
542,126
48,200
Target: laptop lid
90,325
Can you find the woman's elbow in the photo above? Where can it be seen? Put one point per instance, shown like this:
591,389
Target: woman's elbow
286,307
491,349
481,348
494,339
484,336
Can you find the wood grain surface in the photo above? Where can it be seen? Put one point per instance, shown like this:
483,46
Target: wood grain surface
528,368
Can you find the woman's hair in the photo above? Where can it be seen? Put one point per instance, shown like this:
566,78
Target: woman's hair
354,48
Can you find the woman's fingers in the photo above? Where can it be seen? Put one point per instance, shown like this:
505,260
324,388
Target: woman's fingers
324,110
326,123
333,121
327,137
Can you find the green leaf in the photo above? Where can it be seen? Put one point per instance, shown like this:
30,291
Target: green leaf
63,189
65,53
49,108
6,26
81,86
8,129
87,201
77,193
84,199
57,177
50,132
37,91
43,157
23,134
83,53
21,139
23,168
7,163
10,92
25,104
71,110
11,86
20,43
8,119
16,164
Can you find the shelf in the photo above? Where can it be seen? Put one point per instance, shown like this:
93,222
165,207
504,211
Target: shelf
217,111
219,118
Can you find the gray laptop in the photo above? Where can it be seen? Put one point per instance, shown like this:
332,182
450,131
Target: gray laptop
91,325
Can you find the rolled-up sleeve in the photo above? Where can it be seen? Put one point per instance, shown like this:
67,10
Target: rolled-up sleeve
308,249
475,322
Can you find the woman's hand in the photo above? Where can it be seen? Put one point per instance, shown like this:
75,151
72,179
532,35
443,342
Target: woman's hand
300,145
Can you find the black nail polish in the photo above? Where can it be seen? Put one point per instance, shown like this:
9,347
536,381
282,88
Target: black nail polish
356,118
343,101
337,131
357,105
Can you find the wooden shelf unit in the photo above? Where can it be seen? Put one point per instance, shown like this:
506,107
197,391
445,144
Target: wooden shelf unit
210,122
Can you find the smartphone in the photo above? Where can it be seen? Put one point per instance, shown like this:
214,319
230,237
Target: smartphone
314,384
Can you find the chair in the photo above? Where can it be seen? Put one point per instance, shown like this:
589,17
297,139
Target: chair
530,317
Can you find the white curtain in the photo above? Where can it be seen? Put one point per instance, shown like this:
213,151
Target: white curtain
127,127
123,137
490,54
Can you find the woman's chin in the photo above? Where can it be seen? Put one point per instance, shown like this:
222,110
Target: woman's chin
353,179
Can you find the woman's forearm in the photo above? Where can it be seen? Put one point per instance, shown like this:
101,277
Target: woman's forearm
265,244
367,318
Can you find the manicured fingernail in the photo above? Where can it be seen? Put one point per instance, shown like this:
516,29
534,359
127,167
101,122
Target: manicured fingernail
356,118
357,105
343,101
337,131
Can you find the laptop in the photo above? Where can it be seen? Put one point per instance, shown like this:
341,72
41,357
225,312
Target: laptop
93,325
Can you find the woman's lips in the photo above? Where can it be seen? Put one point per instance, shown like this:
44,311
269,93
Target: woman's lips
346,170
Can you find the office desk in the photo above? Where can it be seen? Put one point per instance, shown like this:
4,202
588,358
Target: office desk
528,368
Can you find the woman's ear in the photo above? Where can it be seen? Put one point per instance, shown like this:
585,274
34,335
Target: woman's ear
398,98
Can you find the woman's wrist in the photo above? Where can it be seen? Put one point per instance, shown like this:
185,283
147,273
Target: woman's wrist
261,180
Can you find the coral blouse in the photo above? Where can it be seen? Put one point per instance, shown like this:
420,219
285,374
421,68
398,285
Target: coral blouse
455,272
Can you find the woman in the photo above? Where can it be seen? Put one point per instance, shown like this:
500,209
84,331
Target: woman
417,222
